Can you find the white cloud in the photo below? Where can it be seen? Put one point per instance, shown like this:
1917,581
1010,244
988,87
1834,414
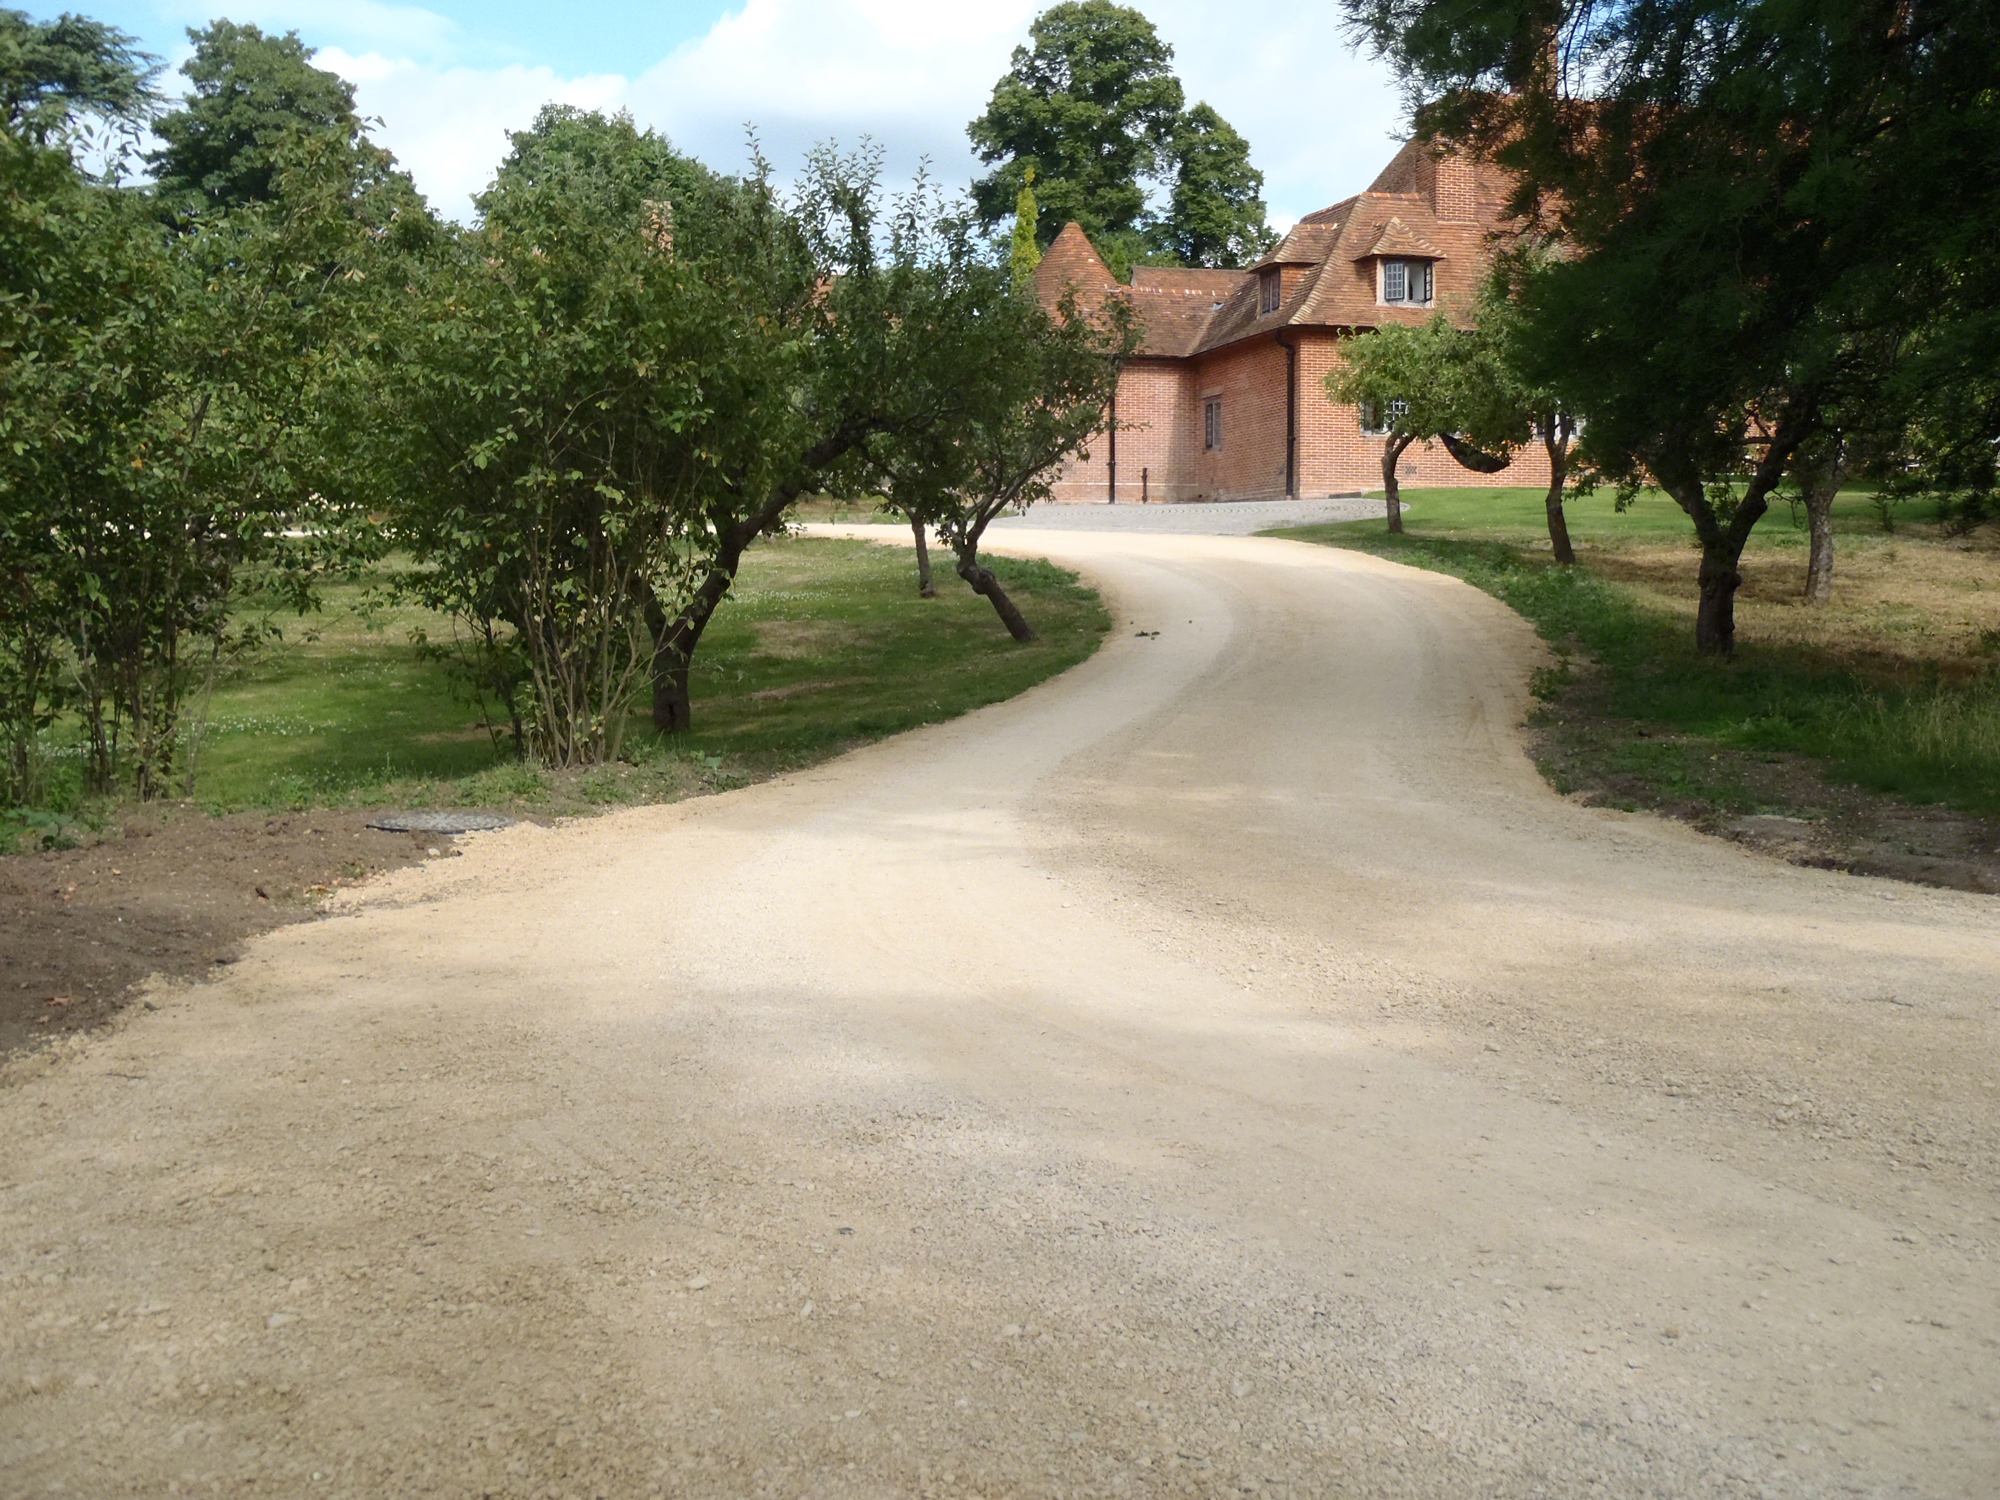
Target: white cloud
908,73
448,126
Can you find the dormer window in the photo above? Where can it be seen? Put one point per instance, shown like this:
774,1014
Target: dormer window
1270,290
1407,282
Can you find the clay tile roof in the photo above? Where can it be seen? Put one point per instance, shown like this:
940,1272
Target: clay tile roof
1195,282
1305,245
1330,281
1336,215
1405,171
1397,238
1175,308
1072,261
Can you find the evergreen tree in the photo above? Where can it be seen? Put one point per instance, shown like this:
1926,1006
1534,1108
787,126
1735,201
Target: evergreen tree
1027,253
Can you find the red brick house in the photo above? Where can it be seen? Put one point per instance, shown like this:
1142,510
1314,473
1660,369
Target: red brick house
1226,398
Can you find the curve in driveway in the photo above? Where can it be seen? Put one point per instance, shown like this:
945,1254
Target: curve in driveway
1226,1067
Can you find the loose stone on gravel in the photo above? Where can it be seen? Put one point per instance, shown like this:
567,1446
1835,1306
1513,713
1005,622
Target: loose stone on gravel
440,822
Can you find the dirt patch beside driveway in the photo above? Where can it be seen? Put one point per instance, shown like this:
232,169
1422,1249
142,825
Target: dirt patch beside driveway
176,894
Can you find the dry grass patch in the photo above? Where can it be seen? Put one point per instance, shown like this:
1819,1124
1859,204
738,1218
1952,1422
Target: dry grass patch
1905,607
795,638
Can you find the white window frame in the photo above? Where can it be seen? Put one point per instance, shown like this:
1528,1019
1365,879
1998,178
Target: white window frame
1211,423
1399,277
1371,416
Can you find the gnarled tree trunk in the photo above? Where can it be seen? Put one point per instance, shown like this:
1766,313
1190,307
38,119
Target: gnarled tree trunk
1555,439
983,583
1392,454
1715,615
925,589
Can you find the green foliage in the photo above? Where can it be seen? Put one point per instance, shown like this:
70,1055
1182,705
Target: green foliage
1775,216
154,395
1091,106
1025,252
1215,213
256,99
1430,378
557,392
1033,389
614,172
59,78
1095,109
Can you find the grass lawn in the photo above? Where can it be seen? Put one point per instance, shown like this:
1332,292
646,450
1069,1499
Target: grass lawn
1894,686
821,646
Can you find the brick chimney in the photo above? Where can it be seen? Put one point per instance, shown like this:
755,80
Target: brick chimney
1454,192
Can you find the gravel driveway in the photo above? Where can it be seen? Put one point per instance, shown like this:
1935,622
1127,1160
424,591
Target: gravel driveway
1226,1069
1224,518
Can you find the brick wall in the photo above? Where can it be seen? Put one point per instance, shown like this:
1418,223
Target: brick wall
1160,452
1157,435
1249,463
1337,458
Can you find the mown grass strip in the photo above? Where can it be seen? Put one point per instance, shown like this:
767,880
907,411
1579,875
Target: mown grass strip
1896,689
823,645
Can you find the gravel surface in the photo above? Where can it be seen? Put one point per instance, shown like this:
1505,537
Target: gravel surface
1223,518
1226,1069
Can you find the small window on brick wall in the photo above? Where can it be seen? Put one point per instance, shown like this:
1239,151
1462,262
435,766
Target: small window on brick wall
1406,281
1270,291
1211,422
1376,422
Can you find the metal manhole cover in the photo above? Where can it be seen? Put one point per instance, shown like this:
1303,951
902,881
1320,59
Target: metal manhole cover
439,822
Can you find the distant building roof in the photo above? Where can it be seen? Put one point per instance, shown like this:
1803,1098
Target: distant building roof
1427,204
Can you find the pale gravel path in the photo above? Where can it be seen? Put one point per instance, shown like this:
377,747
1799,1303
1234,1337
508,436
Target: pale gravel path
1223,518
1224,1070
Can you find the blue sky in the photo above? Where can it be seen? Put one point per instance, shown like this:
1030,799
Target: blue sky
449,79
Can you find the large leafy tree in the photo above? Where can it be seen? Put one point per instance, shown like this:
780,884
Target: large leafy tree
593,404
62,77
1755,196
887,340
255,97
1091,105
1215,210
1094,109
557,391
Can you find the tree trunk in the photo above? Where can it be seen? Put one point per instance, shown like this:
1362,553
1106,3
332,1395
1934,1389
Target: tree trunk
1715,616
925,588
674,642
1819,483
1722,545
1555,438
673,707
1392,454
1819,547
986,585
